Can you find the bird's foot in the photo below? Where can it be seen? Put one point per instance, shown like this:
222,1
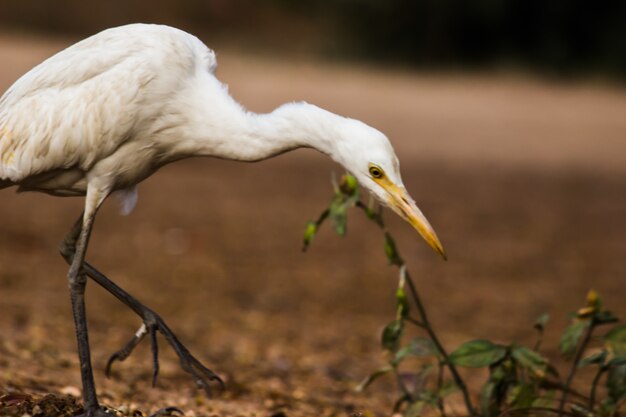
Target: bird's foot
100,411
168,411
153,323
97,411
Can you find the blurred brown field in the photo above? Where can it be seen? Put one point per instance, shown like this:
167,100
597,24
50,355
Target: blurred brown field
524,181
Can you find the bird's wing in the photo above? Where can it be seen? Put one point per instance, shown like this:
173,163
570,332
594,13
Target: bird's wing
83,103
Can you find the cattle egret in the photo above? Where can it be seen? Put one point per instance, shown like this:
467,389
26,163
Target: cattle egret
104,114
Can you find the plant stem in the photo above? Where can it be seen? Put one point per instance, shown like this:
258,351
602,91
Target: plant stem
433,336
322,217
402,385
572,372
594,385
440,404
377,217
423,317
539,341
414,321
551,385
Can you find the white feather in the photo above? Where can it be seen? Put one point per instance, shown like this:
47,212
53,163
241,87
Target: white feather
127,199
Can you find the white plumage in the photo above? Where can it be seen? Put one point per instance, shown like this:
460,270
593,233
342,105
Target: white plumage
95,107
107,112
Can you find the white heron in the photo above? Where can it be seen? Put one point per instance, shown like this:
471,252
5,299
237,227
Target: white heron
104,114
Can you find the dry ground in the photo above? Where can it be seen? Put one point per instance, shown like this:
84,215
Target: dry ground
525,182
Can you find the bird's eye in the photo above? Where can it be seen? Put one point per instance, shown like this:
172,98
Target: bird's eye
376,172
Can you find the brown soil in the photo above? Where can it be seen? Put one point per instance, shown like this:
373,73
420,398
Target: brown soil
524,181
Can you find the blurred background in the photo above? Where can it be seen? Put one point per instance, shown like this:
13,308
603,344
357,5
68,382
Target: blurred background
508,116
561,37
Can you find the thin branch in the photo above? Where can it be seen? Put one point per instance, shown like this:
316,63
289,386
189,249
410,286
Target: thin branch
423,317
431,333
440,404
322,217
414,321
318,223
377,217
572,372
402,385
594,385
539,341
548,384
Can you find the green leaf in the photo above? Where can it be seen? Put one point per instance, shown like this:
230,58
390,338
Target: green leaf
615,340
345,196
430,397
608,408
372,377
418,347
487,398
618,361
572,335
500,372
448,388
616,382
391,251
477,354
392,334
530,360
522,395
403,303
370,213
605,317
494,390
309,233
349,184
597,358
541,322
546,400
339,216
348,190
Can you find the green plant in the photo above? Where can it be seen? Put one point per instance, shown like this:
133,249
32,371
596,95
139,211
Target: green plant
521,380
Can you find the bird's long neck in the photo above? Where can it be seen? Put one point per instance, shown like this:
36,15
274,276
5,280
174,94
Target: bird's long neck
291,126
226,130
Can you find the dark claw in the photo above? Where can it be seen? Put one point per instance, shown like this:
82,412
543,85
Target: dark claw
114,357
98,412
153,323
168,412
124,352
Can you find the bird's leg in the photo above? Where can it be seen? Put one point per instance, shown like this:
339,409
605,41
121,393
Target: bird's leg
152,322
77,283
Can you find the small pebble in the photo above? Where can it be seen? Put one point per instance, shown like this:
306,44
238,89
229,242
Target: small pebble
70,390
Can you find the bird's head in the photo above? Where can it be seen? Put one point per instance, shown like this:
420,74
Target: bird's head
369,156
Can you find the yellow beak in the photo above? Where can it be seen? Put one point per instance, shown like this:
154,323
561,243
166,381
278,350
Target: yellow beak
403,204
